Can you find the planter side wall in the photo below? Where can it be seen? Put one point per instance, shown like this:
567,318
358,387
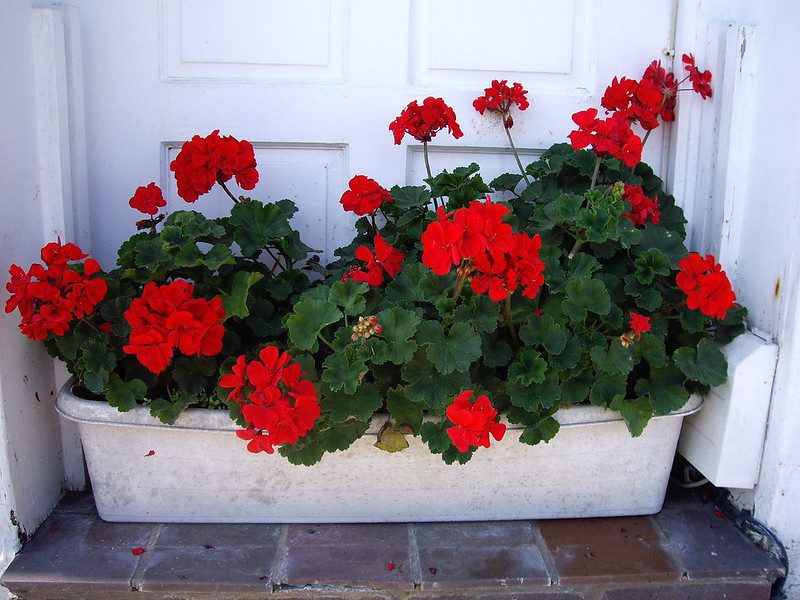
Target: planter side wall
589,469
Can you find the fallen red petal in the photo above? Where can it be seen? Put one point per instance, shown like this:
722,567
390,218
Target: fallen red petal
719,514
208,546
432,570
390,566
138,551
151,453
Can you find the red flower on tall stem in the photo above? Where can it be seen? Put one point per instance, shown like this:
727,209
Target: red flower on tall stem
700,80
473,422
608,137
500,98
202,162
423,122
365,196
643,209
279,404
148,199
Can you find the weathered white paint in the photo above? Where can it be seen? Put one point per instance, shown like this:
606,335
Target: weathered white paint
31,472
200,471
725,440
753,206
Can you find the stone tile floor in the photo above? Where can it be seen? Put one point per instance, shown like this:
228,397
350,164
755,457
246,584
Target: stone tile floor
685,552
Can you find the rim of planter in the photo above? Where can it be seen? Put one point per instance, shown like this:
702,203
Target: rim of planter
99,412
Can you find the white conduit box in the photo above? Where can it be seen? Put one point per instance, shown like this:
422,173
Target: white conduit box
725,440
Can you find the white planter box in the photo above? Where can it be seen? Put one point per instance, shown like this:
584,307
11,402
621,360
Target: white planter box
201,472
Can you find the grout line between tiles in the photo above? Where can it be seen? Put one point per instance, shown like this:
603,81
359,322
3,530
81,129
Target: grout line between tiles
278,573
541,544
135,582
413,554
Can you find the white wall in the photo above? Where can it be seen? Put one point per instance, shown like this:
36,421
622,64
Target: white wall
31,472
744,202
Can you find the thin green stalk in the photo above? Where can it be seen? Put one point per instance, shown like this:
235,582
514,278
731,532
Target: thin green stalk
227,191
516,154
428,169
510,322
595,174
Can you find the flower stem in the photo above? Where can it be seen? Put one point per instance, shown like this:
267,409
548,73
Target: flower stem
510,322
462,277
325,341
578,240
516,154
372,219
428,168
227,191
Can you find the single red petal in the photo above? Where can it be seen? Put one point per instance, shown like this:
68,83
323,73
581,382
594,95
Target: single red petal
138,551
151,453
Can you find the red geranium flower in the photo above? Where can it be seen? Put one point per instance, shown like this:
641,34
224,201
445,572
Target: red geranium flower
608,137
706,285
202,162
148,199
365,196
385,259
639,324
473,423
499,98
667,85
441,243
50,296
424,122
642,207
278,403
701,80
168,317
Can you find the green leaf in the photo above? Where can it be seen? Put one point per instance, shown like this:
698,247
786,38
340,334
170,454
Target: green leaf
98,362
395,344
651,348
543,330
537,395
636,414
669,242
343,371
235,302
529,368
256,224
189,255
405,287
123,395
340,436
426,385
409,196
435,435
568,358
616,359
544,430
608,389
576,390
305,451
309,318
584,296
582,265
455,350
649,264
191,373
495,352
649,300
706,365
349,296
404,411
506,181
168,411
664,389
360,404
391,440
219,255
481,312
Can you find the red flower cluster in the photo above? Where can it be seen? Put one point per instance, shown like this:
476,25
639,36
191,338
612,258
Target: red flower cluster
202,162
385,258
667,85
706,285
167,317
365,196
643,209
50,297
639,100
278,403
499,259
424,122
148,199
639,324
473,422
701,80
608,137
499,99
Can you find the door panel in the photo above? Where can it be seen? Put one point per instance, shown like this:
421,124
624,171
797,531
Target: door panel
314,85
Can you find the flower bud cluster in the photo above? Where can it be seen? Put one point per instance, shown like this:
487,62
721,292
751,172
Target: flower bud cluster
366,327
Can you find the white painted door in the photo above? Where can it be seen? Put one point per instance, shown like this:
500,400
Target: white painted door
314,85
